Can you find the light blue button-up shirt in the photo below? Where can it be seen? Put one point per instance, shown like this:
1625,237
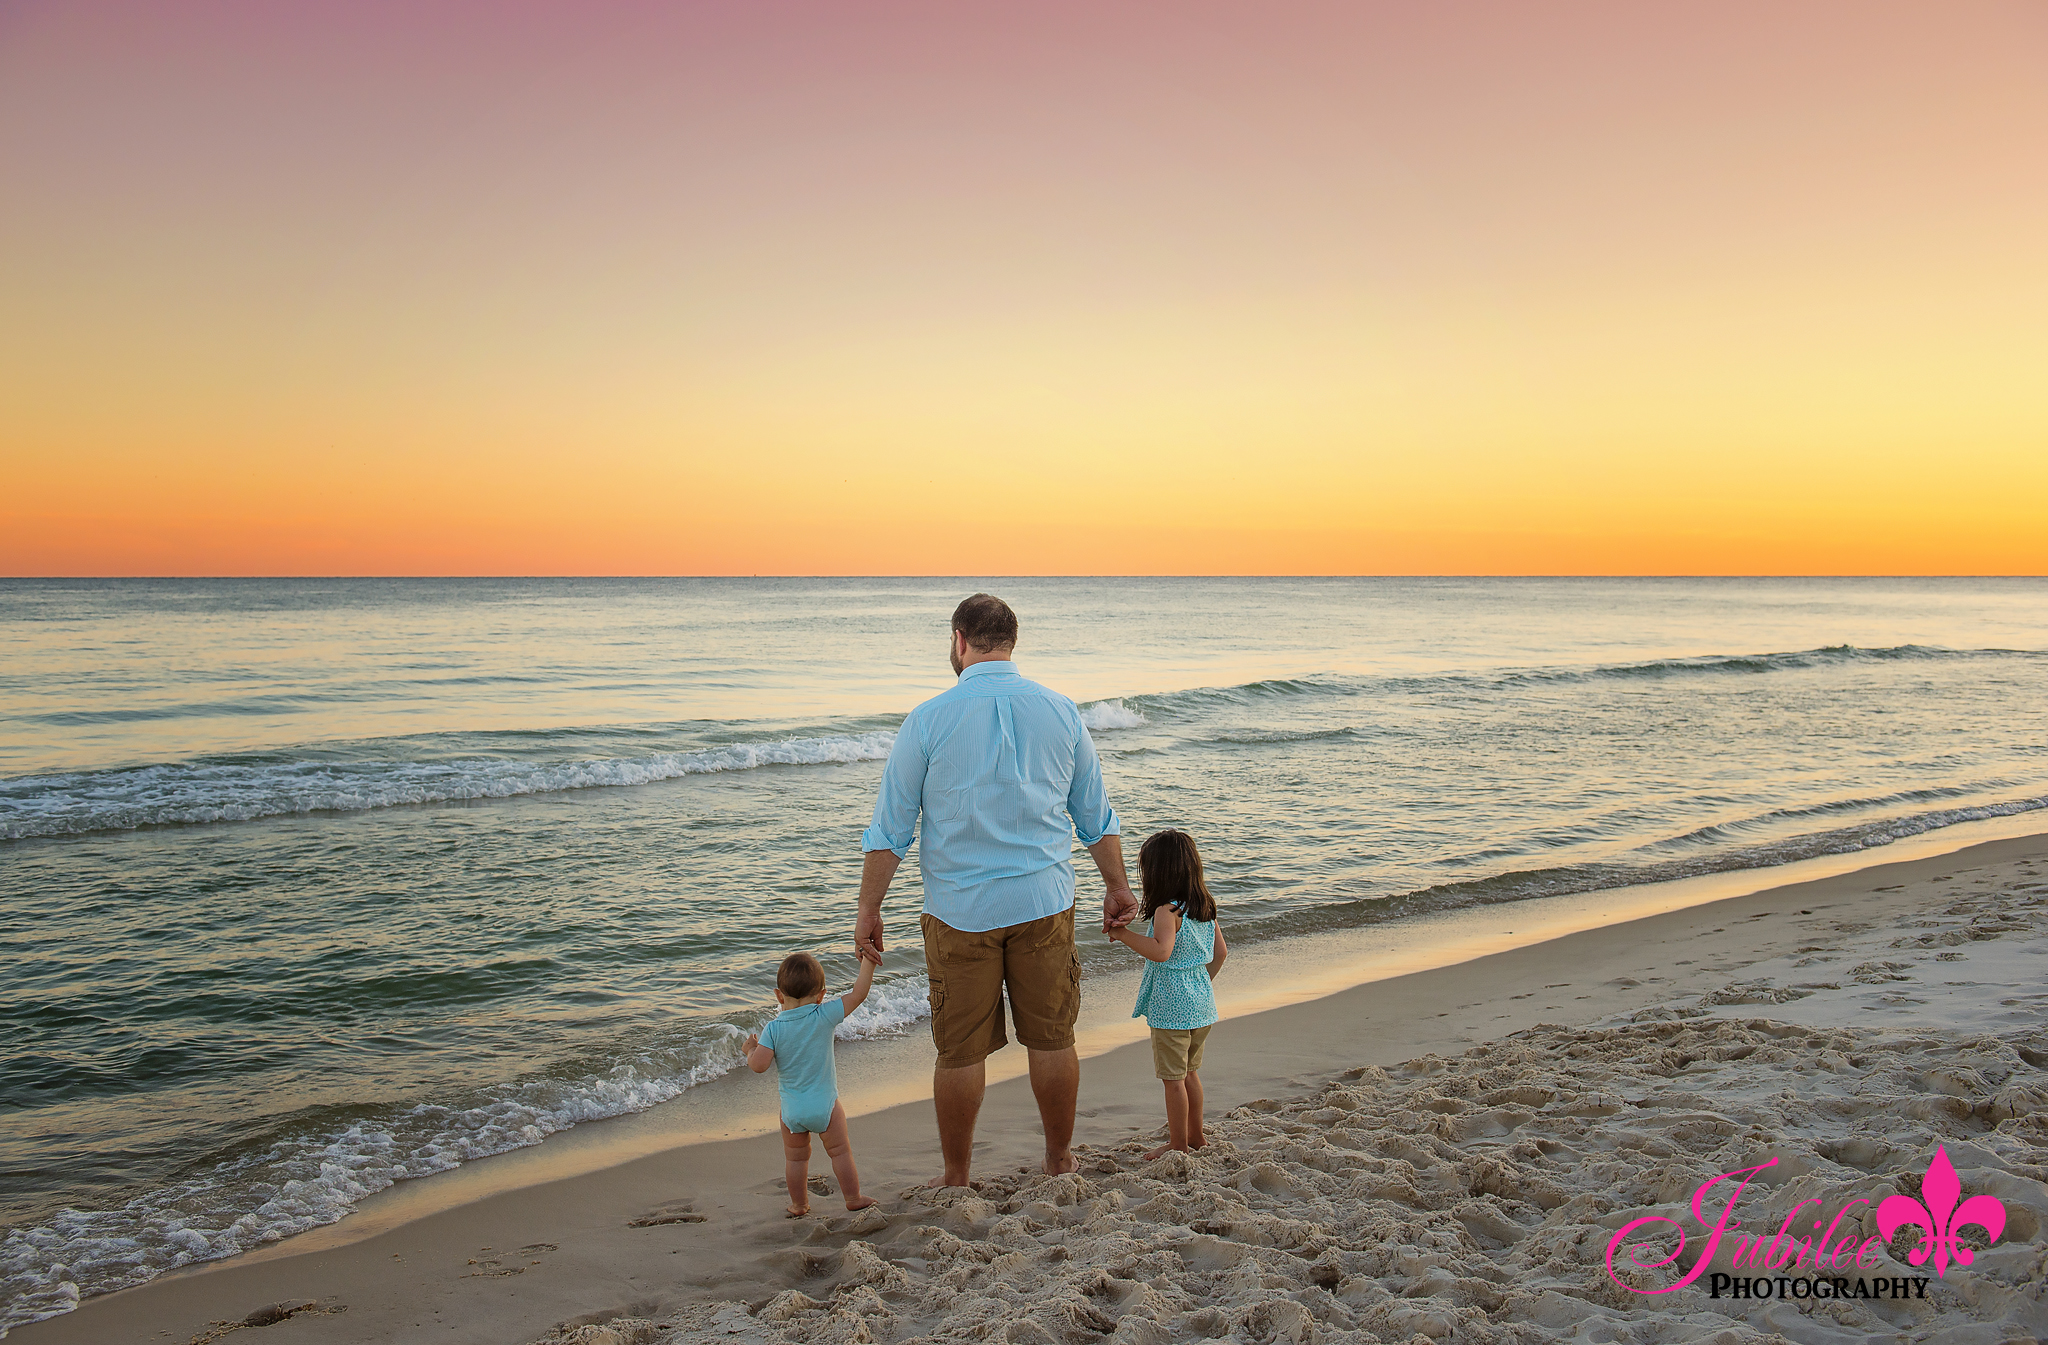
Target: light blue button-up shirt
1005,775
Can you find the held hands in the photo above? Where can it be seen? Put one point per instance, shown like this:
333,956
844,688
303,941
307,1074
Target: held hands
867,935
1119,908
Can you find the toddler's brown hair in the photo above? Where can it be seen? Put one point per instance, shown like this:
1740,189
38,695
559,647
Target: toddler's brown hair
800,976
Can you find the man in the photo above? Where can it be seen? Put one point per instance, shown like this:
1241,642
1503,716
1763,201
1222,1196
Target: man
1005,774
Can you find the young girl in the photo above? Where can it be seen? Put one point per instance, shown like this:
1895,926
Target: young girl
1184,950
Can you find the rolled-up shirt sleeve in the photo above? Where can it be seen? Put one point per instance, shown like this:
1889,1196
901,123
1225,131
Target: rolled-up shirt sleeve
1087,804
896,803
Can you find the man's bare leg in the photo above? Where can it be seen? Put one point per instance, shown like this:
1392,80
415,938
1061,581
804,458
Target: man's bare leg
956,1095
1056,1083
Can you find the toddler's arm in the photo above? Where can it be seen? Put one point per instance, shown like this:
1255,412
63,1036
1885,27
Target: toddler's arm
1222,951
1156,946
759,1057
855,997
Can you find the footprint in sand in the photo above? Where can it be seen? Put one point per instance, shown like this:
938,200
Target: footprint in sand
680,1213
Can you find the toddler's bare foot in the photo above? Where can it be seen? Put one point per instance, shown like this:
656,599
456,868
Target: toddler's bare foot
860,1203
797,1211
1163,1149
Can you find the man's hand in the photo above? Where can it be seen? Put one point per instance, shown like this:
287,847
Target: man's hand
877,870
867,934
1119,906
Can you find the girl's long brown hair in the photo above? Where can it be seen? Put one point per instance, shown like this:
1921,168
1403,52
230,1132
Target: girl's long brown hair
1170,872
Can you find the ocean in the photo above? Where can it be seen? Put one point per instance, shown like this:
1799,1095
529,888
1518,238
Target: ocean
312,886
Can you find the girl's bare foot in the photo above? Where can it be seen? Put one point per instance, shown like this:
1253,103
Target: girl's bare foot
796,1211
1198,1143
860,1203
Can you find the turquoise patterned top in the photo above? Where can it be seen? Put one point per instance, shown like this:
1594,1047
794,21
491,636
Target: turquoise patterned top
1176,993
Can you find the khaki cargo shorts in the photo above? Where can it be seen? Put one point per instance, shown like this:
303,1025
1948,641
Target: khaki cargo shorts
1036,962
1177,1051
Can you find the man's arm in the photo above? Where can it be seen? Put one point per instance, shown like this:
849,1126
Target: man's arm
889,836
876,874
1095,822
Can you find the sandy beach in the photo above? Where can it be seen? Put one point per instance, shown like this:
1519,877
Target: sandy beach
1444,1155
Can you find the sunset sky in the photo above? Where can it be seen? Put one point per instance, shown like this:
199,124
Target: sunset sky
973,288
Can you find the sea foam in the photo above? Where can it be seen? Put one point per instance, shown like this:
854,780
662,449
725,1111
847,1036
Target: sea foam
1104,715
315,1178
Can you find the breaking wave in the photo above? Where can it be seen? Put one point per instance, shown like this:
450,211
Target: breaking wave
236,791
314,1169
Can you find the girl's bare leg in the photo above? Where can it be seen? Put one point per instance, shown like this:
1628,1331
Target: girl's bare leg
1194,1088
1176,1118
839,1148
796,1170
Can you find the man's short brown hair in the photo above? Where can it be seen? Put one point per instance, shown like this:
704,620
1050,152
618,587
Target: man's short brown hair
986,621
799,976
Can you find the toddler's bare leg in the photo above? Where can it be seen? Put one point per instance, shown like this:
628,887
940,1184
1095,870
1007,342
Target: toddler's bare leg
1193,1084
839,1148
796,1170
1176,1117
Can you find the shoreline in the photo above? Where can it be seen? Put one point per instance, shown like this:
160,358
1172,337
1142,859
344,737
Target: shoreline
402,1273
882,1073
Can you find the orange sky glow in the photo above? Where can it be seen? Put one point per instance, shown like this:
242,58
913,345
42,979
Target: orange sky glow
927,288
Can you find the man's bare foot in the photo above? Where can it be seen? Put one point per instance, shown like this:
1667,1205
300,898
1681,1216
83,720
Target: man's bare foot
860,1203
796,1211
1198,1143
1153,1154
1066,1162
945,1179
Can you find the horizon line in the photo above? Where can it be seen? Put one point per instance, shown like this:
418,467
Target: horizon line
136,578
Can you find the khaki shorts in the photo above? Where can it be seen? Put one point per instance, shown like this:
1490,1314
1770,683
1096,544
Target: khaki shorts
1177,1051
1036,961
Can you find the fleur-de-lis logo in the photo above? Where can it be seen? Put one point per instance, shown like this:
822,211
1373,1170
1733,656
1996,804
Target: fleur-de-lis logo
1937,1212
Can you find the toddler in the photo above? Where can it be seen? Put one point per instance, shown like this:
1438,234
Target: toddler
1184,950
798,1042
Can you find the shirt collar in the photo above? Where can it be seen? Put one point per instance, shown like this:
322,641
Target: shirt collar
987,666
